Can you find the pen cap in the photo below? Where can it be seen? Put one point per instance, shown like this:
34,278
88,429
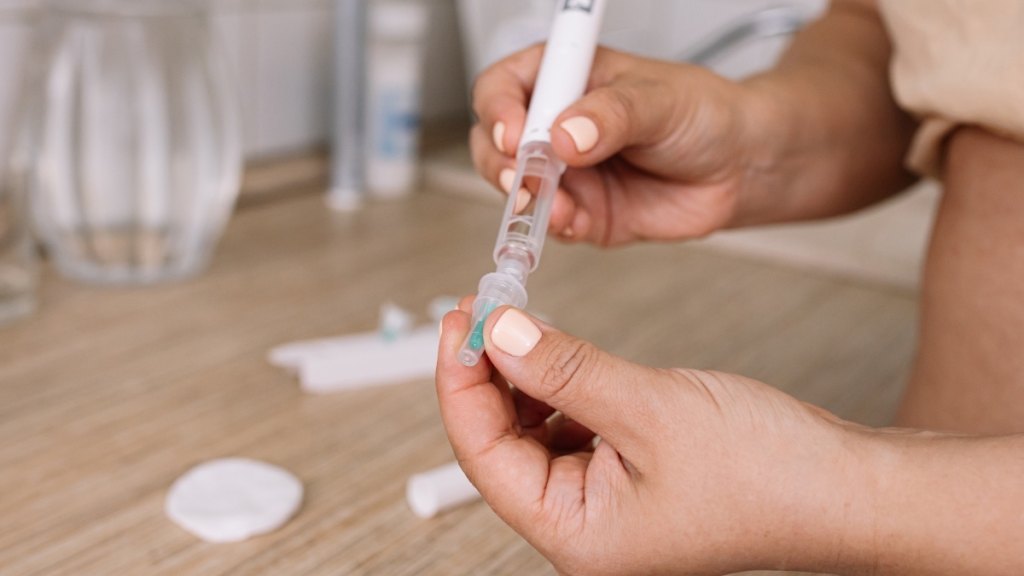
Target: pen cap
443,488
565,67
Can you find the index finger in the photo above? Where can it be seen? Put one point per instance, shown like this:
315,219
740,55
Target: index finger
501,93
509,470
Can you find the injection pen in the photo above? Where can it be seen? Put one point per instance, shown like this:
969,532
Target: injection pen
562,79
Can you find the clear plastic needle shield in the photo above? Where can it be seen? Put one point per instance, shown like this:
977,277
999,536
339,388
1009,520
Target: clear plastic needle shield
561,80
520,241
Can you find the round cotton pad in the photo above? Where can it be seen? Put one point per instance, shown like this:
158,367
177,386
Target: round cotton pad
232,499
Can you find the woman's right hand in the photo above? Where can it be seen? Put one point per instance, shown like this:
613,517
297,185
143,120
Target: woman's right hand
656,150
695,473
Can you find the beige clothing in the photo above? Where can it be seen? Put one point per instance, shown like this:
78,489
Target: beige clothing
956,62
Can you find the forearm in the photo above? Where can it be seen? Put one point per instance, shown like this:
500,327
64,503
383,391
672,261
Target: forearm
917,503
828,136
900,502
946,504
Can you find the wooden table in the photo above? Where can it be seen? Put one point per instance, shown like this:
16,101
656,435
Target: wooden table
107,395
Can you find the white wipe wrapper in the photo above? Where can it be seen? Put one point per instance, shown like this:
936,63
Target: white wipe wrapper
360,360
434,491
232,499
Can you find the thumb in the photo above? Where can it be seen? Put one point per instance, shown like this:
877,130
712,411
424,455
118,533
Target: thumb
608,119
605,393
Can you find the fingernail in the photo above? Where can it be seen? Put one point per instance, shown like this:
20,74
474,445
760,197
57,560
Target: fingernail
499,136
580,223
522,199
583,132
440,328
515,334
506,178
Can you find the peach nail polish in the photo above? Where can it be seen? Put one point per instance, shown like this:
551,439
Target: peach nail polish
583,132
506,178
515,334
499,136
523,198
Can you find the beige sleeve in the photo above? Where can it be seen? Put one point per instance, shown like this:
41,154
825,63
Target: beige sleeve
956,62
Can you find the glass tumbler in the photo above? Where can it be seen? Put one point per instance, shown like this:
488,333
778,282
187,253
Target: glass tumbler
137,148
18,260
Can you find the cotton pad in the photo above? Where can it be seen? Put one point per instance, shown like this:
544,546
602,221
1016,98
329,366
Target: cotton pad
231,499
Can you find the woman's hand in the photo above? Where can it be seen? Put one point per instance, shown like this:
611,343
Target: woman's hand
667,151
695,472
657,151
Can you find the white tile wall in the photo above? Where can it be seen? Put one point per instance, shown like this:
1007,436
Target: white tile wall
281,53
292,81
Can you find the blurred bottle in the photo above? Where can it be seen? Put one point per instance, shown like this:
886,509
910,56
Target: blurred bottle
395,72
348,88
137,149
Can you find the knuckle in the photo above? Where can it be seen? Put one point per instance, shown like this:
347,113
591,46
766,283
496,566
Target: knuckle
707,384
480,81
477,92
568,364
485,159
608,63
476,145
620,108
697,379
476,104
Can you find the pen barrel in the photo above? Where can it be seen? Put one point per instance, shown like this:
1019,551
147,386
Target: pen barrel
565,67
528,209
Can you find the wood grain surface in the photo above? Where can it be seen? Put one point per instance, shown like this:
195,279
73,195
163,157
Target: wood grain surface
107,395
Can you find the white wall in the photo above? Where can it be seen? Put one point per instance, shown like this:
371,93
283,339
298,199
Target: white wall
280,52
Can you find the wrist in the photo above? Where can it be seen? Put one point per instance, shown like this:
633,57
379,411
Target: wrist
864,500
939,503
769,124
904,508
837,502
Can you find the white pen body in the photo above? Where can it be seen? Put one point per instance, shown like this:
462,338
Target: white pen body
565,67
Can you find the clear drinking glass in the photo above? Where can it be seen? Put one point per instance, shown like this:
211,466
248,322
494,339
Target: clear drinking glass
135,123
18,260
